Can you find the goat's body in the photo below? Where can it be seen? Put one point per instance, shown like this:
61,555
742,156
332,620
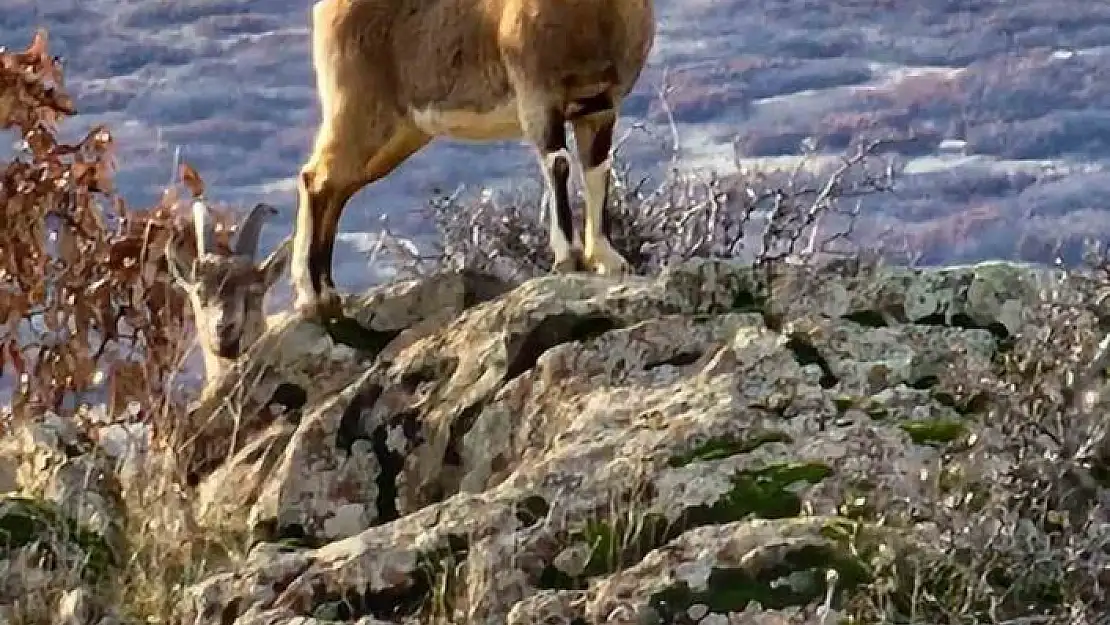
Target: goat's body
500,122
457,68
394,74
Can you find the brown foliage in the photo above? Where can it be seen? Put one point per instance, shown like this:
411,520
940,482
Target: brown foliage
86,307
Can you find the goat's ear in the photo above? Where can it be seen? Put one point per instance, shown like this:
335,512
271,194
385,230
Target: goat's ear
276,263
181,266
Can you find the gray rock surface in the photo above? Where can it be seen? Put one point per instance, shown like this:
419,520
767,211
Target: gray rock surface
716,445
60,523
615,451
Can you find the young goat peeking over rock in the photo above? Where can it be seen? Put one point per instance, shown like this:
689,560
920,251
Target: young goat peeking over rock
226,290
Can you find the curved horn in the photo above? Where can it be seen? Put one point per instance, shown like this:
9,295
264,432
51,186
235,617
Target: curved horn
206,233
246,243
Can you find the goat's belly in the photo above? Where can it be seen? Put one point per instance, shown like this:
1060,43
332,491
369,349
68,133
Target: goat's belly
500,122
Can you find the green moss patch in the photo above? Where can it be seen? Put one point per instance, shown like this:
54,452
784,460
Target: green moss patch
26,522
844,402
723,447
938,431
797,579
745,300
763,493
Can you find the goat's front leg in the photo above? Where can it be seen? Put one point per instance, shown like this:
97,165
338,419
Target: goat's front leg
544,127
594,140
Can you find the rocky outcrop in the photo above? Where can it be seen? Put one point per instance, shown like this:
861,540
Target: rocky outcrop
577,449
714,445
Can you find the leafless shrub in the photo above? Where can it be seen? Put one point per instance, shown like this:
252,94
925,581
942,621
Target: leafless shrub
1011,525
794,216
797,215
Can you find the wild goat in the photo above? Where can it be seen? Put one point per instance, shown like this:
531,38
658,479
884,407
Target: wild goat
226,289
391,75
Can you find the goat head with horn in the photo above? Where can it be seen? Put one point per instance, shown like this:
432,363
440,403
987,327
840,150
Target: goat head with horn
227,290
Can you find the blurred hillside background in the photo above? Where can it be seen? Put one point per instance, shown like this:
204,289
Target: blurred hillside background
1008,104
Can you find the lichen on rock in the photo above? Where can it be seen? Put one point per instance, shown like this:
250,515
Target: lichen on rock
581,449
712,444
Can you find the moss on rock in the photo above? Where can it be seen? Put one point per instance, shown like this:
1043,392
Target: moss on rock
723,447
797,579
763,493
937,431
40,524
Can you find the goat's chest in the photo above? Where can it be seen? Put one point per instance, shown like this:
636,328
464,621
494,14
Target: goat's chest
496,123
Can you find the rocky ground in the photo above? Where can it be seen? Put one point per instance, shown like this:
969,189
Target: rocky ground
714,445
711,445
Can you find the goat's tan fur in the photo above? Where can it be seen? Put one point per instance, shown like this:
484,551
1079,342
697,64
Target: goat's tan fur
226,289
394,74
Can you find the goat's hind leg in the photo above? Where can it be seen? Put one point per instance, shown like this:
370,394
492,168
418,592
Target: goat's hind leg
593,137
545,127
324,187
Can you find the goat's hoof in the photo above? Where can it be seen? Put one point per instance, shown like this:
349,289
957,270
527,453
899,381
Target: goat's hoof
571,264
605,261
564,266
325,307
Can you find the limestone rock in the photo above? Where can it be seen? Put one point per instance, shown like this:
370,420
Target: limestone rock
583,449
53,460
296,369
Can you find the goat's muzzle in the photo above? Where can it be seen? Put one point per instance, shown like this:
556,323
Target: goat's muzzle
228,346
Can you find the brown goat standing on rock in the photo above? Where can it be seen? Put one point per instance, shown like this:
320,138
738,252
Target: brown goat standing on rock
226,291
394,74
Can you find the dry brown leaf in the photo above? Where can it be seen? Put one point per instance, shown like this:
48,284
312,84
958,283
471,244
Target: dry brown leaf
7,105
36,52
107,265
192,180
